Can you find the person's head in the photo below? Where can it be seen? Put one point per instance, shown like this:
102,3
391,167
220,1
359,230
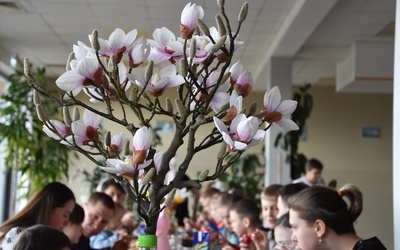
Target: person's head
225,202
283,234
318,212
50,206
114,190
284,193
244,217
206,196
116,220
269,208
214,206
74,227
98,212
40,237
313,170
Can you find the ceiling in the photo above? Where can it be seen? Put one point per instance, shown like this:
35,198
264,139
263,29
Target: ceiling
317,34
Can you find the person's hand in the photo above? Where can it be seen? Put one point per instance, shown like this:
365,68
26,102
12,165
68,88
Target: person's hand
123,243
246,243
255,241
188,224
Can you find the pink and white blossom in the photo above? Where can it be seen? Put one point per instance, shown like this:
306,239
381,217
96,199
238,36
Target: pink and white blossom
117,143
142,141
243,132
221,56
60,127
139,52
236,103
244,84
241,81
87,73
220,98
236,70
165,46
117,43
165,78
96,97
126,168
279,112
189,17
84,131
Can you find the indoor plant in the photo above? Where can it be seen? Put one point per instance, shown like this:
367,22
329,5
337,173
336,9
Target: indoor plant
209,90
28,150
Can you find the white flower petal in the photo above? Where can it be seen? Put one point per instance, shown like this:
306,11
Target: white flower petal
272,99
287,107
143,138
287,124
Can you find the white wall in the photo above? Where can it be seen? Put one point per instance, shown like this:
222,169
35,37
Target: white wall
334,136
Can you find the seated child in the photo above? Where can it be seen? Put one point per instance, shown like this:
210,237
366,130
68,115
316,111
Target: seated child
269,209
225,201
74,228
244,218
283,234
215,222
286,192
114,231
41,237
203,217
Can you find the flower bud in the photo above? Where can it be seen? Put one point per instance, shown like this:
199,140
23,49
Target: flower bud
111,67
67,116
194,67
107,139
36,97
40,112
149,71
133,94
203,27
126,149
168,105
182,67
221,151
180,107
220,25
149,175
252,109
75,114
243,12
94,40
219,44
170,197
27,67
192,52
203,175
70,58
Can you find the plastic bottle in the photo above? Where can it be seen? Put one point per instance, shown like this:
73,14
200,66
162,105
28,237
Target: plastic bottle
147,242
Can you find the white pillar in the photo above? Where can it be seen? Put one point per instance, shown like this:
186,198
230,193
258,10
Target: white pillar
277,169
396,133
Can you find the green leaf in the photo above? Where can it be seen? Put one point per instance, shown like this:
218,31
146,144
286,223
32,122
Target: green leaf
27,147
